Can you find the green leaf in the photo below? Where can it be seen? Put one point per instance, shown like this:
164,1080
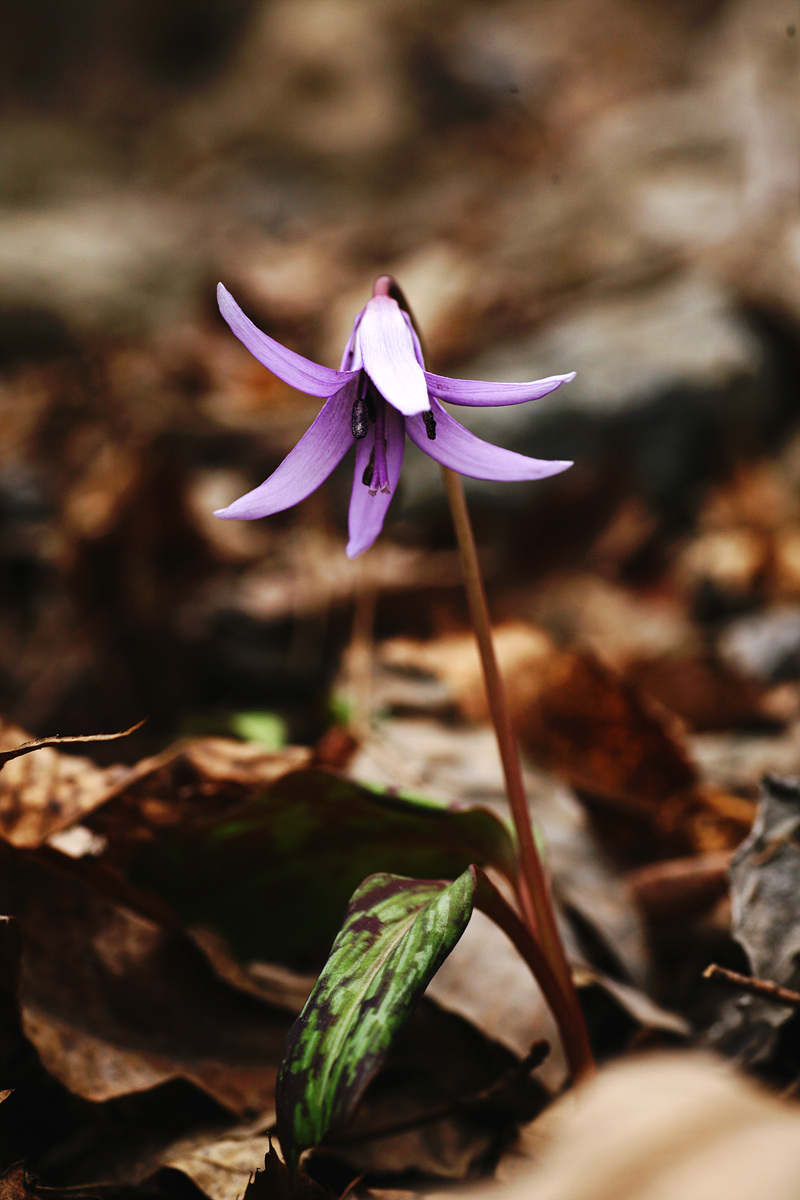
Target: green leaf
395,936
301,848
266,728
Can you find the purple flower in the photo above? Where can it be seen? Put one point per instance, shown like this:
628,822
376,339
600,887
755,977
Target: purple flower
382,393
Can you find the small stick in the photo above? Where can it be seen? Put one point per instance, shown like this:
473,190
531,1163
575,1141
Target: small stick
59,740
764,988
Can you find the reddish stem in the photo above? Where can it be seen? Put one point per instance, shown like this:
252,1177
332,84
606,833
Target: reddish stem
532,886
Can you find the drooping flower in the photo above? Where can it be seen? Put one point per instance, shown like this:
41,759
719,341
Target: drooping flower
381,393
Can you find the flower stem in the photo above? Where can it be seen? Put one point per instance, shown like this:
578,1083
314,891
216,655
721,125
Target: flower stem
533,888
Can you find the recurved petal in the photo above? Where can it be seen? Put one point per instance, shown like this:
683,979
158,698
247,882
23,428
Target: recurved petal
388,354
319,450
365,519
457,448
477,393
298,372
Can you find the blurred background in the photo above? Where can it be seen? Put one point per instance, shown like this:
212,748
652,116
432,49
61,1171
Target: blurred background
606,186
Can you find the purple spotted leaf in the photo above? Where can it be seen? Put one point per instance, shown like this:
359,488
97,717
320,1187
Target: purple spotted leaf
396,934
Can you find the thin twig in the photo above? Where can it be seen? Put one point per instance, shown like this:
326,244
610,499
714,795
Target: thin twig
58,740
533,889
764,988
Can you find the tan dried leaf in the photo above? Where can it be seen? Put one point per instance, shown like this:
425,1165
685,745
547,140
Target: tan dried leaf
46,791
677,1127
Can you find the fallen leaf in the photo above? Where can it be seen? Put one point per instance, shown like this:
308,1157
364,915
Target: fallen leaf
273,1182
765,920
16,1184
221,1166
115,1003
45,792
672,1126
702,690
523,653
606,737
680,889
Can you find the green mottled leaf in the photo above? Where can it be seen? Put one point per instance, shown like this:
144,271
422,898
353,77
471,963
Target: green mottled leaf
396,934
301,848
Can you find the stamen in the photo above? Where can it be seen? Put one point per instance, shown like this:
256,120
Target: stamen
360,418
430,425
366,478
380,477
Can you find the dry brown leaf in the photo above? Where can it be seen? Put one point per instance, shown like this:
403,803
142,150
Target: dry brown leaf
412,1120
582,719
589,612
46,791
702,690
523,652
677,1127
623,751
220,1165
273,982
681,889
599,731
115,1003
15,1183
194,779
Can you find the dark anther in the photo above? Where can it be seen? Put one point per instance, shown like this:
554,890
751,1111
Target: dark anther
430,425
360,420
369,469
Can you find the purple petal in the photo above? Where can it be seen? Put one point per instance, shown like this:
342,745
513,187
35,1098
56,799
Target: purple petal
457,448
389,357
415,340
365,519
319,450
298,372
475,392
350,360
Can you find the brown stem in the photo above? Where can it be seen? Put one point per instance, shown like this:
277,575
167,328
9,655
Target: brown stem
533,887
756,987
573,1032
